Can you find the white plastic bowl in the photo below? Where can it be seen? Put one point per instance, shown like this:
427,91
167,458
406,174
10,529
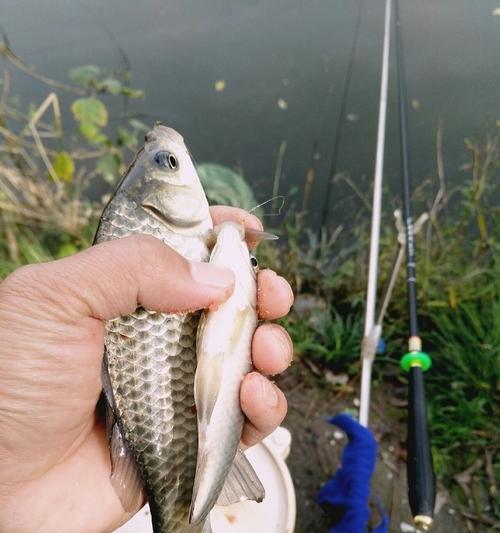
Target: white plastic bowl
276,514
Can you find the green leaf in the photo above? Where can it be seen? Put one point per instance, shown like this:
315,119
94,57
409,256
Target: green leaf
110,85
92,115
85,74
92,133
108,166
127,137
226,187
138,125
64,166
66,249
132,93
90,110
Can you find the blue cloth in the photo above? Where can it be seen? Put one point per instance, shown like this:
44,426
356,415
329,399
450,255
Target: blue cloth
348,490
381,346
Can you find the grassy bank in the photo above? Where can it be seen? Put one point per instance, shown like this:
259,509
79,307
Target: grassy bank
459,293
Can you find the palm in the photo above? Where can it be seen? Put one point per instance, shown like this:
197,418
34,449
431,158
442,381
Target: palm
57,444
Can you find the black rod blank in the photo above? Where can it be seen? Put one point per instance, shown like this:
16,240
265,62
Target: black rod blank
411,275
421,482
421,488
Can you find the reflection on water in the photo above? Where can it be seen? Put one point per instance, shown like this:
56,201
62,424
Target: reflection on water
238,80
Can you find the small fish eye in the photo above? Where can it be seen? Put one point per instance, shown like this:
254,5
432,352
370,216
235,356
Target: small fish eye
172,161
166,159
254,262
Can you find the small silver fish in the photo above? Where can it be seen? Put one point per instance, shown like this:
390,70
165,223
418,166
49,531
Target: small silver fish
150,358
224,343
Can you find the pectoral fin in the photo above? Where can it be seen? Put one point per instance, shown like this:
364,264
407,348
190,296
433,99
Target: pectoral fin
124,474
242,483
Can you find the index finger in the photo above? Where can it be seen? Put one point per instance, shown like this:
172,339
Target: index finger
223,213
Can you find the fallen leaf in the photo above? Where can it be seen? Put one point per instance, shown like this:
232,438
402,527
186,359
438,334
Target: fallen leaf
282,104
220,85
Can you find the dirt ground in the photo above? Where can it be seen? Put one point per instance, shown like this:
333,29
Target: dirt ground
316,448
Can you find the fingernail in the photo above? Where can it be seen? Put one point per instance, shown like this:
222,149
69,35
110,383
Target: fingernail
283,281
268,392
282,339
253,222
212,276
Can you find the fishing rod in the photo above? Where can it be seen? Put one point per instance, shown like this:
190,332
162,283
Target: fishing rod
340,120
421,483
347,493
372,330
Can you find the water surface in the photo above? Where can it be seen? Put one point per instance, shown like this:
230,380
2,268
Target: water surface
285,49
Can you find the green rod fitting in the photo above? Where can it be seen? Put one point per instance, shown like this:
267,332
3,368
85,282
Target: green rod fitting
420,359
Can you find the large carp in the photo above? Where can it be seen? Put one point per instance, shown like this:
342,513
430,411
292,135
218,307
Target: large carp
150,358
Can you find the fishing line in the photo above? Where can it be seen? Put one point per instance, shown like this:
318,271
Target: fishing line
279,168
277,197
341,119
111,36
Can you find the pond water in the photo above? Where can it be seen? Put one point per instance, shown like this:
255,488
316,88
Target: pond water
284,64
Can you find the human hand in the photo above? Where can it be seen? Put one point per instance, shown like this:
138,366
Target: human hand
54,458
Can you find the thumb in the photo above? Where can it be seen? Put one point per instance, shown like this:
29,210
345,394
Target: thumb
112,278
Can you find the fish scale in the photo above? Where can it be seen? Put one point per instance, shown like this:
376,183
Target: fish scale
151,363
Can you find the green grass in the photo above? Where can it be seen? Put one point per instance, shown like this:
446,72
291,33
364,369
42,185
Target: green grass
464,383
328,336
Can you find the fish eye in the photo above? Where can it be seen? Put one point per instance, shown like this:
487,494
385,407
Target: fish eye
254,262
166,159
172,161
